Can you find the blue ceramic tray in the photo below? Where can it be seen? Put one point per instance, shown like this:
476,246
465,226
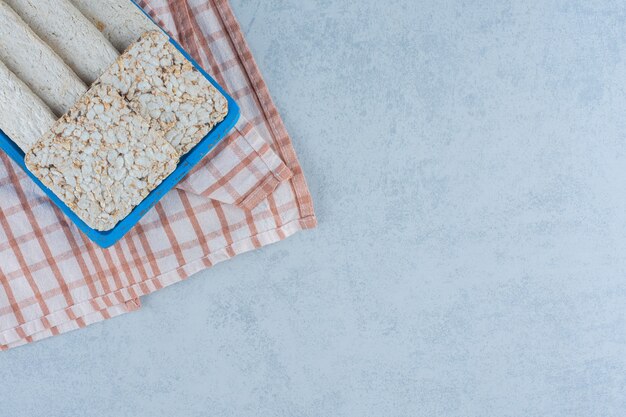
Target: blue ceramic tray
187,162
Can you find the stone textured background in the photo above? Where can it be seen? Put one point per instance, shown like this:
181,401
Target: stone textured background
468,164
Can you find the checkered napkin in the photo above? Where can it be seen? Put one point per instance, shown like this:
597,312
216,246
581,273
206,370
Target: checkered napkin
248,193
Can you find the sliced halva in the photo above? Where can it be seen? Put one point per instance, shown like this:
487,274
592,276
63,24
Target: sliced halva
35,63
23,116
102,158
70,34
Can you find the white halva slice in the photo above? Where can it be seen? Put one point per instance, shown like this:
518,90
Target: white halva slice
102,158
23,116
35,63
165,88
121,22
70,34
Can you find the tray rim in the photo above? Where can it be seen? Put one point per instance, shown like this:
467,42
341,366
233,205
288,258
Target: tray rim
106,239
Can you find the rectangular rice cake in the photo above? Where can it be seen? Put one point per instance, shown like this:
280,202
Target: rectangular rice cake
120,21
70,34
36,64
165,88
102,158
23,116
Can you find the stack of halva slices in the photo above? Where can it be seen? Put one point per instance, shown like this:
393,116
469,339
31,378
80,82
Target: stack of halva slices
100,101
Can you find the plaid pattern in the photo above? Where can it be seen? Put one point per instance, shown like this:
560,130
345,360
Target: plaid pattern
249,193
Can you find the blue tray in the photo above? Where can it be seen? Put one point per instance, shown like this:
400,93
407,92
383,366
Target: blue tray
187,162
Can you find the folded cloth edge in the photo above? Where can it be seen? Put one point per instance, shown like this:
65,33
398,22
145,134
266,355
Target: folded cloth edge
123,300
229,187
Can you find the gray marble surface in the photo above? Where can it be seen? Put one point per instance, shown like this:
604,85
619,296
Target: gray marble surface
468,165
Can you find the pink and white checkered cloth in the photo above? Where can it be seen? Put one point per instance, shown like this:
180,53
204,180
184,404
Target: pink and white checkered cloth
249,192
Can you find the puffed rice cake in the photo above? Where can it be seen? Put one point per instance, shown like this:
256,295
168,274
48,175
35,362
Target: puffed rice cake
102,158
164,87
